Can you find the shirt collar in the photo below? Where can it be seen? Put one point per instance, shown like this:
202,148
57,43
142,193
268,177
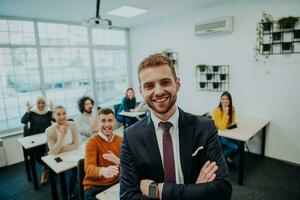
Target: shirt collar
104,137
173,119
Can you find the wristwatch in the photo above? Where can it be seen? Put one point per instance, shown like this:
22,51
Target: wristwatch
153,190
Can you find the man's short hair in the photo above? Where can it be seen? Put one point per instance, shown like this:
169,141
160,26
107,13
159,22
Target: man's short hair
106,111
81,102
154,61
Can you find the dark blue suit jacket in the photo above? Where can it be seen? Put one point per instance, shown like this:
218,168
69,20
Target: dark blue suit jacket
140,159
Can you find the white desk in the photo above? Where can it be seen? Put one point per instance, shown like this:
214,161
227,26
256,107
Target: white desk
246,129
131,114
69,161
33,140
29,143
112,193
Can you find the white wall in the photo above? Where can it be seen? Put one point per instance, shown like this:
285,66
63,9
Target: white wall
269,91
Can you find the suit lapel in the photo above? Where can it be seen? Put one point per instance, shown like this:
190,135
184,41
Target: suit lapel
186,131
152,148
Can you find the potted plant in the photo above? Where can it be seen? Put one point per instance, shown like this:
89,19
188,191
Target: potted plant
288,22
215,85
201,67
266,47
276,36
286,46
267,26
222,77
296,34
215,68
202,84
208,76
258,50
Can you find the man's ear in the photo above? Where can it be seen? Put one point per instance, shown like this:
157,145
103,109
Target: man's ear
178,84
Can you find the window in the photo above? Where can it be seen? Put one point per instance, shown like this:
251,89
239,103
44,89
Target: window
111,73
58,65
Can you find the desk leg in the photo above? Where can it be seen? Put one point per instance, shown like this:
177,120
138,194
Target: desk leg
27,164
53,185
63,186
33,171
263,142
241,163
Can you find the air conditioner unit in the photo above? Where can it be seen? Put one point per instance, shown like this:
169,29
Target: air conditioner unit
220,25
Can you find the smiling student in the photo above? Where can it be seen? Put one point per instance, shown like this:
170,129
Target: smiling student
62,136
102,154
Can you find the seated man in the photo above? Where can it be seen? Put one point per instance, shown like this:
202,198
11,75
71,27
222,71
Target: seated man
87,120
102,154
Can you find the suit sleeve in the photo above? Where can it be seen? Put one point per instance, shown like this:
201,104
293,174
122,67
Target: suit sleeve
219,189
129,179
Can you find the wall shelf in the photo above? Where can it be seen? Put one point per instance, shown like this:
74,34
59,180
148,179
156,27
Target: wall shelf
214,78
278,40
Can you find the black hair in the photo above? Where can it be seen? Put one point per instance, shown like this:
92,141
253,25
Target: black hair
81,102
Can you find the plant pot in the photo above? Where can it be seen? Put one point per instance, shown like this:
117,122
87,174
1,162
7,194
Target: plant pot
266,47
208,76
276,36
216,85
286,46
222,77
288,22
267,26
202,84
297,34
215,68
201,67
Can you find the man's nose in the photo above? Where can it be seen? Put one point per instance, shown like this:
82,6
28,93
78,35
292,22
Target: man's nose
158,90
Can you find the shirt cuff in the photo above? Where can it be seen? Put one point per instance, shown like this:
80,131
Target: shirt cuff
160,187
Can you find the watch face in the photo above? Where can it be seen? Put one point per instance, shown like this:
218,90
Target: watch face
152,191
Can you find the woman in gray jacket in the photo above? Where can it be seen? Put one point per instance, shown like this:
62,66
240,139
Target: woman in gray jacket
62,136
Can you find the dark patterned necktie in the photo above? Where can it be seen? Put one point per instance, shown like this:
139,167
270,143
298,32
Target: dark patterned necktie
169,162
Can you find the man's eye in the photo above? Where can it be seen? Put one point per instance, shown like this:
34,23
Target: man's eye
148,86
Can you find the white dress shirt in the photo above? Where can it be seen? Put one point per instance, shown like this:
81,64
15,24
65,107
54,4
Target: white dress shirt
174,131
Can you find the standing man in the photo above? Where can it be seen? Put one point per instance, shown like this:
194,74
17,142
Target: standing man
170,154
87,120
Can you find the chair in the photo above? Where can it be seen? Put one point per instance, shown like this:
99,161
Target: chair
80,177
118,117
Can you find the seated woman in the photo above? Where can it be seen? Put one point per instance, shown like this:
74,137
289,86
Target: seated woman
62,136
102,152
39,119
128,104
224,117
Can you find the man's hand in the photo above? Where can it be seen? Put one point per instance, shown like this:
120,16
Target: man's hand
109,172
144,186
110,156
207,173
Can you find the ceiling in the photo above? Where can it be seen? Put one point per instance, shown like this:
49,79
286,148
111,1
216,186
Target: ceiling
77,10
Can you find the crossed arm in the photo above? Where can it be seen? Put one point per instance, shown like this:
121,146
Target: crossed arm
210,184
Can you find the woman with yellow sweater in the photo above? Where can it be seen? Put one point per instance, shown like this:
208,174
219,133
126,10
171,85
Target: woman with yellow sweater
224,117
102,154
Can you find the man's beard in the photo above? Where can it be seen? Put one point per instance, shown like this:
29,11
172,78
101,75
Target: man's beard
88,111
168,107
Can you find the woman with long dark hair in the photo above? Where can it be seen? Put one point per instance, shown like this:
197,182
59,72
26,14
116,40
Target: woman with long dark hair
128,104
224,117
